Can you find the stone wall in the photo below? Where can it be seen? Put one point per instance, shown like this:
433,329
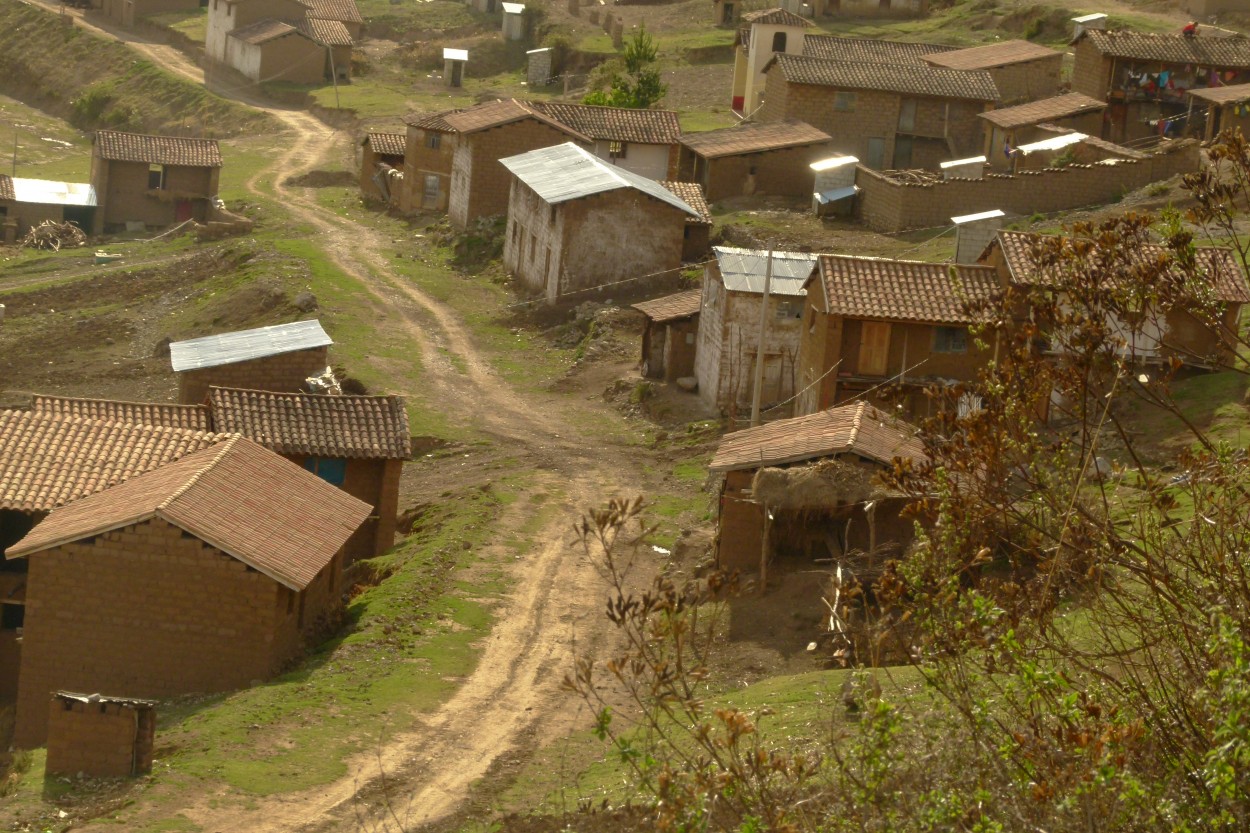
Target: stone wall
283,373
887,206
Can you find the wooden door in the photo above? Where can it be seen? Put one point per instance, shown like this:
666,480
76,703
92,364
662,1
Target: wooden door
874,347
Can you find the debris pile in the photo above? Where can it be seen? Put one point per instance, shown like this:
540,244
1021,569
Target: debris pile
53,235
913,176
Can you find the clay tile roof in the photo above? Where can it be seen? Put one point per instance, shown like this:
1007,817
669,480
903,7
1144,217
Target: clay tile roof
235,496
615,124
672,307
157,150
691,193
362,427
903,290
850,429
6,188
48,460
1171,49
263,31
1048,109
1234,94
777,17
325,32
345,11
1216,261
156,414
387,144
432,121
869,49
907,79
992,55
753,138
501,112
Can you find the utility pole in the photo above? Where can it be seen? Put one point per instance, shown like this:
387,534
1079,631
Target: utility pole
757,388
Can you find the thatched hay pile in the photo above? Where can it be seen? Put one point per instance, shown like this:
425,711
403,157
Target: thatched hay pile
820,485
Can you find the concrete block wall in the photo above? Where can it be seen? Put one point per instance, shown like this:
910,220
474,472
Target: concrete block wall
100,740
284,373
889,207
149,611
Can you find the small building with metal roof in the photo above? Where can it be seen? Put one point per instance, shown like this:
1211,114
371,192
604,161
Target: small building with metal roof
729,326
578,224
277,358
25,203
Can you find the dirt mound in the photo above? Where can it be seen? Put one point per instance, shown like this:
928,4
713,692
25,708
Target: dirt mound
323,179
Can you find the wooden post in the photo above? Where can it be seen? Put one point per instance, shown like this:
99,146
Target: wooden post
870,511
768,525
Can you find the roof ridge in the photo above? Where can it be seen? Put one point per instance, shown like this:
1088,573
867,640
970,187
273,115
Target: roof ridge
226,446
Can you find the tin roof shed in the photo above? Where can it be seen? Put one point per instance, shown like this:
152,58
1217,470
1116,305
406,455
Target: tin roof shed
744,270
245,345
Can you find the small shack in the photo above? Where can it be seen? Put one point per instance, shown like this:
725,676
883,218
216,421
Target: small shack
668,340
99,736
746,159
143,180
808,489
1213,109
513,21
25,203
278,358
454,61
1010,127
382,166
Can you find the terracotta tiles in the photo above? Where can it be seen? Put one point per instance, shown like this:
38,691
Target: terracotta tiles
388,144
236,496
777,17
498,113
906,79
263,31
156,414
617,124
363,427
157,150
992,55
1171,49
6,188
869,49
858,429
691,193
432,121
753,138
1221,268
904,290
325,32
1047,109
1234,94
672,307
47,460
342,10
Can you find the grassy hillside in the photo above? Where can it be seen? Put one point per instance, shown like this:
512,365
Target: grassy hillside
94,82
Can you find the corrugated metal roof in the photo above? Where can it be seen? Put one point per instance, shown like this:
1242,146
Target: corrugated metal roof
241,346
743,270
567,172
51,192
826,197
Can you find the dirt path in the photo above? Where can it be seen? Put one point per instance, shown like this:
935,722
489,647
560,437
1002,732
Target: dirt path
554,608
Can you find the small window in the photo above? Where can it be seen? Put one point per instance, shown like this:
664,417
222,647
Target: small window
533,246
11,616
431,189
156,177
779,42
787,310
332,470
950,340
844,102
616,150
433,141
907,115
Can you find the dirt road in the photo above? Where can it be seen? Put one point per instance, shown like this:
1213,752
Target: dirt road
555,604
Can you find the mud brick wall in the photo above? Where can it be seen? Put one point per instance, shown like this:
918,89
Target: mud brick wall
888,207
785,172
283,373
149,611
1028,81
741,529
421,159
101,740
479,184
1091,71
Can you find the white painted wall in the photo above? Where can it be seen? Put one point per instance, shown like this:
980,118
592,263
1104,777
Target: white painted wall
650,161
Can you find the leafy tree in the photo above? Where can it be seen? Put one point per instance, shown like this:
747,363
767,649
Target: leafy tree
633,81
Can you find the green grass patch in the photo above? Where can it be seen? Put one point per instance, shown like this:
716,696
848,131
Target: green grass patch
192,23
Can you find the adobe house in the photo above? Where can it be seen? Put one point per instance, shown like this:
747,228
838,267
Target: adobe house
380,155
870,50
152,180
749,158
888,116
297,41
1214,109
57,454
670,334
357,443
698,231
1144,78
203,575
576,222
100,736
642,141
1022,71
888,329
762,35
1010,127
807,489
277,358
429,145
25,203
729,326
127,12
1159,335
